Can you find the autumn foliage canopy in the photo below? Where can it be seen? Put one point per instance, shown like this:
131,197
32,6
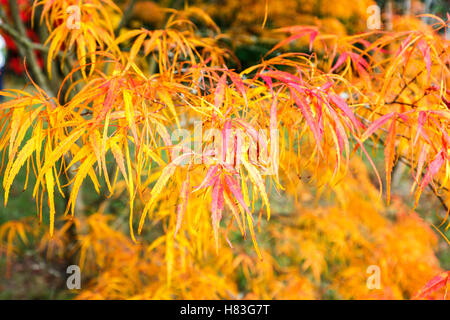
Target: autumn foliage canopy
236,182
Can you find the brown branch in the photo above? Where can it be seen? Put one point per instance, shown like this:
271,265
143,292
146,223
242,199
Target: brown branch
412,105
16,36
406,86
25,49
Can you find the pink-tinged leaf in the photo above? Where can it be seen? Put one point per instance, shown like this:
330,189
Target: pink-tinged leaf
268,81
319,115
340,132
181,209
252,132
283,76
342,58
312,37
426,53
217,208
420,124
447,102
358,59
326,86
389,157
433,168
433,285
228,241
118,156
342,140
209,178
237,81
235,211
360,144
237,147
308,117
404,44
404,115
296,29
341,104
220,91
109,99
365,43
129,113
446,138
432,16
421,163
273,112
361,64
233,186
162,131
297,32
226,132
286,41
376,125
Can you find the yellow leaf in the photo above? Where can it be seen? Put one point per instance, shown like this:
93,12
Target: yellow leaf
257,180
51,201
13,167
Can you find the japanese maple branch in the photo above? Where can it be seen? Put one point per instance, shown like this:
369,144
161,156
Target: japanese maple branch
26,50
407,162
410,82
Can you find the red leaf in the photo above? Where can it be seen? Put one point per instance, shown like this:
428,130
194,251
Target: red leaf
220,91
341,104
226,131
339,62
376,125
217,208
209,178
389,156
433,285
233,186
298,32
420,131
308,117
433,168
447,102
361,64
425,49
